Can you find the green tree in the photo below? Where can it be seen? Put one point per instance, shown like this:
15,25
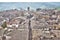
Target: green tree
4,25
38,9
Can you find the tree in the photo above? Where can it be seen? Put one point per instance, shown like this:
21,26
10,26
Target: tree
38,9
4,25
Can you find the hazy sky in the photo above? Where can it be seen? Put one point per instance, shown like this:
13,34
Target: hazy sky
24,5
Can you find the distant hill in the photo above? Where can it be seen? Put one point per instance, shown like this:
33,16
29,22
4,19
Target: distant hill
24,5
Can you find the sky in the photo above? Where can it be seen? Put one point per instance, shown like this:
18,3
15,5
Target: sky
24,5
